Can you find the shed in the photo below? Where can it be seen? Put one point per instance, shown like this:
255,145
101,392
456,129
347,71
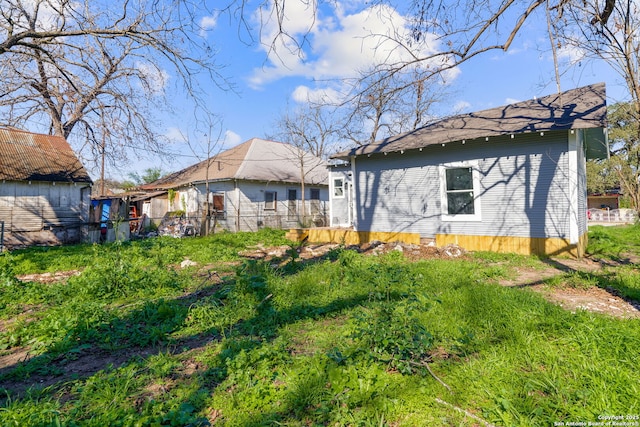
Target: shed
44,190
506,179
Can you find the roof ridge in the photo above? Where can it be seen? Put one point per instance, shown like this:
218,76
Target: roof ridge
243,163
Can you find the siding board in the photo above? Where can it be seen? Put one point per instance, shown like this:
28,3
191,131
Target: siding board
523,188
245,207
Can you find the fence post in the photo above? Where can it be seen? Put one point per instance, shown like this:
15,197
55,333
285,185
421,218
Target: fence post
1,236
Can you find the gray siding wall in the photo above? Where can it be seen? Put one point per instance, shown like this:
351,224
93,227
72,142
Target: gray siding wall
44,213
340,206
245,207
40,205
523,188
582,185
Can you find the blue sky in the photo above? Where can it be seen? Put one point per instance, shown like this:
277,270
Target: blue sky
339,43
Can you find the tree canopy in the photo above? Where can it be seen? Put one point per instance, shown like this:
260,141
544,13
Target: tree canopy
96,72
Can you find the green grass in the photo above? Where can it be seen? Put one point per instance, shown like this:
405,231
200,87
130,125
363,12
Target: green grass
614,243
341,341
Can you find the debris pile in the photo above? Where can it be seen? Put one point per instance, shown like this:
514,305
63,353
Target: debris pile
177,227
311,251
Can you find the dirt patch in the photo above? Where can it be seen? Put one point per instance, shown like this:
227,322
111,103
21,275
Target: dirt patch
87,362
318,251
592,298
57,277
13,357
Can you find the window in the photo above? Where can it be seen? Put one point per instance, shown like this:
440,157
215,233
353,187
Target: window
270,200
315,201
292,203
460,192
218,205
338,188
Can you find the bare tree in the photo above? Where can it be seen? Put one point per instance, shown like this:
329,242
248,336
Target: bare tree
96,72
206,150
613,36
461,29
311,131
389,105
212,147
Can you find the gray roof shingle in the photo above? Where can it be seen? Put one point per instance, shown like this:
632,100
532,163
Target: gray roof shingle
256,160
580,108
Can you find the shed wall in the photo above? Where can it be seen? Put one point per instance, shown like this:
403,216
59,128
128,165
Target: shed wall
244,204
523,188
341,206
44,212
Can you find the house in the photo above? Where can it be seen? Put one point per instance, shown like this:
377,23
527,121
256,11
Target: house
44,190
256,184
604,208
507,179
607,200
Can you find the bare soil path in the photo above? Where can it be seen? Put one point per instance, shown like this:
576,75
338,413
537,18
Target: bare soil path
595,299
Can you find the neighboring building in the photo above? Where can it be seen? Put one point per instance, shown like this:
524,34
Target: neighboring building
253,185
604,208
44,190
508,179
608,200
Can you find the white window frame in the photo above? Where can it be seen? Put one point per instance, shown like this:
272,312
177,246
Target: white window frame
272,205
341,186
292,208
220,214
475,175
315,205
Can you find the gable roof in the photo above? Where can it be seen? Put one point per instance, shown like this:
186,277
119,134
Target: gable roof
581,108
28,156
255,160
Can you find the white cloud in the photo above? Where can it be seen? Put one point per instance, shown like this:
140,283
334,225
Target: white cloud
571,54
155,79
512,101
339,46
47,16
304,94
461,106
173,134
231,139
207,23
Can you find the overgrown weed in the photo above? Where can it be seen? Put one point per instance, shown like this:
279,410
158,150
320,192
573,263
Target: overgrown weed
335,342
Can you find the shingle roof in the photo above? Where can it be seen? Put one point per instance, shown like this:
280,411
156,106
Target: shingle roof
256,160
580,108
31,156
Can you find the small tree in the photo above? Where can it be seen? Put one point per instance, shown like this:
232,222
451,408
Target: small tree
601,177
624,134
205,150
148,176
311,131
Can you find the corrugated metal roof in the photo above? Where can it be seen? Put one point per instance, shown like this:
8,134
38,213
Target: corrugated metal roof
580,108
30,156
257,160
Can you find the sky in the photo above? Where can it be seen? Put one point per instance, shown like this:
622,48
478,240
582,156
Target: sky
339,42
